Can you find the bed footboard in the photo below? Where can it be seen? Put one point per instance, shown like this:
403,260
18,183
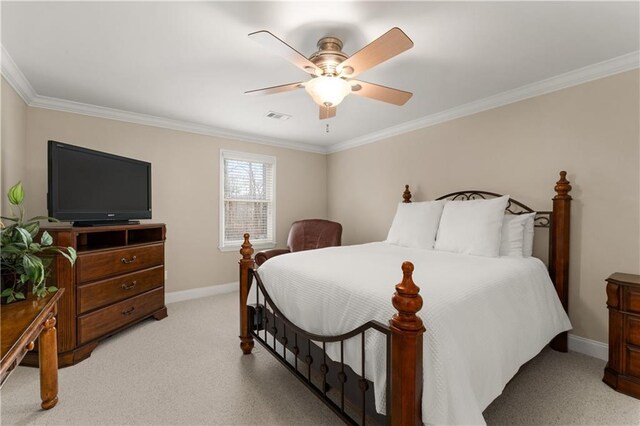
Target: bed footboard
404,348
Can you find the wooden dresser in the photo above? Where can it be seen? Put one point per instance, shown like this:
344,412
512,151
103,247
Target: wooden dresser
623,300
117,281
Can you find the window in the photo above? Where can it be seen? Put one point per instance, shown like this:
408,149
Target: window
247,199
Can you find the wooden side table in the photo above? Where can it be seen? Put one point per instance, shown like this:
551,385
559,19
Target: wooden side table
22,323
622,372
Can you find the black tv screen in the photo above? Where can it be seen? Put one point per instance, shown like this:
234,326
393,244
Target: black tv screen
92,186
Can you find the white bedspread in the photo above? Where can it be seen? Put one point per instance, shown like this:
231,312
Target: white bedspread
484,317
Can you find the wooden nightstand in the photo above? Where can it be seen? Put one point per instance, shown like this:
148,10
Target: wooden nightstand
623,300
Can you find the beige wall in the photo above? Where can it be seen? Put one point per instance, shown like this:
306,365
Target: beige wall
13,141
185,184
590,130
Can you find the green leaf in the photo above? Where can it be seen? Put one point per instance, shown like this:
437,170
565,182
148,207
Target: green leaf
24,236
33,228
10,249
19,296
11,298
12,219
16,194
46,239
30,262
40,291
6,292
52,289
71,256
8,230
39,275
34,268
20,245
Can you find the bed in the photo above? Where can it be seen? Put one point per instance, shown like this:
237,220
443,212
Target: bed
372,361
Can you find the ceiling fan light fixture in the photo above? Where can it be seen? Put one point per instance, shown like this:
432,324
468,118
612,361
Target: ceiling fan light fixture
328,91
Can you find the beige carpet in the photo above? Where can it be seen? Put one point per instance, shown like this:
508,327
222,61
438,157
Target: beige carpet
187,369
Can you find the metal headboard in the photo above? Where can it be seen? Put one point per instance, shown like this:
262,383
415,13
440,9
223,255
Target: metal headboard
542,218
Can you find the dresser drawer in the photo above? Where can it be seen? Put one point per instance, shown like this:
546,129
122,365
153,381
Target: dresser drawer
93,266
633,330
632,300
103,321
633,362
105,292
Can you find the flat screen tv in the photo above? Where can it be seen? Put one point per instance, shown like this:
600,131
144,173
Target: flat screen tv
95,188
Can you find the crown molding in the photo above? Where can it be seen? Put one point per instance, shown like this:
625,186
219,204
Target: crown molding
572,78
15,78
623,63
166,123
21,85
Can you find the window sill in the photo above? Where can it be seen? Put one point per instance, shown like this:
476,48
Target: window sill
256,247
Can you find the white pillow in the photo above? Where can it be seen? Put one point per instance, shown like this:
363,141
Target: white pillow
415,224
513,230
472,227
527,246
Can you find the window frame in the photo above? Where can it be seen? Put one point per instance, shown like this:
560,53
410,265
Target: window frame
246,156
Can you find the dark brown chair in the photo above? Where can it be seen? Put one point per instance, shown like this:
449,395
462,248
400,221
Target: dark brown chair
306,234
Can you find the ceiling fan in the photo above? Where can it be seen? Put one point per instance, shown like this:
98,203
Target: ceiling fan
333,71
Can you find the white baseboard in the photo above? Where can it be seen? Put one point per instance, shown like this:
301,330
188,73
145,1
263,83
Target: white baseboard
196,293
589,347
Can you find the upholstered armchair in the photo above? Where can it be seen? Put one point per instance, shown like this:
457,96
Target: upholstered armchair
306,234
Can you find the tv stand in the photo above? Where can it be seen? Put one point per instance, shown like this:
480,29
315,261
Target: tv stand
86,224
117,281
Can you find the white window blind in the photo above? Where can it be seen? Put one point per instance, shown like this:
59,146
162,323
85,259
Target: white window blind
247,199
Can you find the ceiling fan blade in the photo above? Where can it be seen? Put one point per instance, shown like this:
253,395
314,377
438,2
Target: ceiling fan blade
276,89
281,48
380,93
385,47
327,112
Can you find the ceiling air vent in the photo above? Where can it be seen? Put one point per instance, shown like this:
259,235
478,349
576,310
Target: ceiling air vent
278,115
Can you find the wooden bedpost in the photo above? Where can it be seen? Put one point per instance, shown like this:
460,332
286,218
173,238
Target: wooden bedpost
246,264
406,195
406,352
559,250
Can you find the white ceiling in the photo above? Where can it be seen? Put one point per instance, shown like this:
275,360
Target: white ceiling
193,61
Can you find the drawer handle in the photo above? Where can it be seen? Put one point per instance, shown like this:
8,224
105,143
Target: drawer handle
130,286
129,311
127,261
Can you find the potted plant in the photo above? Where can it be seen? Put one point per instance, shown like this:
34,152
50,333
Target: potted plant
25,261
